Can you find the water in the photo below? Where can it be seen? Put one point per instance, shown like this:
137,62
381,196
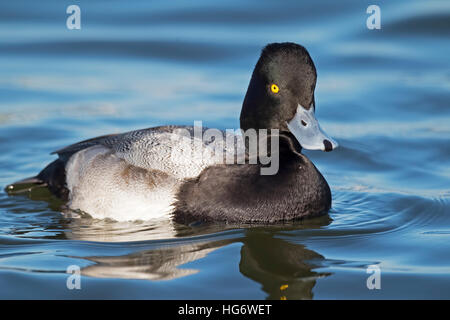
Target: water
383,94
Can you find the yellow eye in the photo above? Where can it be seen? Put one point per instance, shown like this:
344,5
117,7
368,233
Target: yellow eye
274,88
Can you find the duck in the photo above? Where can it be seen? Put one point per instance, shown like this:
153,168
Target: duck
145,174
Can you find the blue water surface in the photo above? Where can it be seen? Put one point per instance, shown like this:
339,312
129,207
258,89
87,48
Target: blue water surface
383,94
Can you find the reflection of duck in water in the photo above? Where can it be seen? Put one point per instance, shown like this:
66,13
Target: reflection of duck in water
284,269
265,258
157,264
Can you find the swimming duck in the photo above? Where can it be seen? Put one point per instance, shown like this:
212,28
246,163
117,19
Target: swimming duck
143,174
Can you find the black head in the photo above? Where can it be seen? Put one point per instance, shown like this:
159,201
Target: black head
283,82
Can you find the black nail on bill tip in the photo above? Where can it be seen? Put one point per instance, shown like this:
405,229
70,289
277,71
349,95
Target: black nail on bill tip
328,145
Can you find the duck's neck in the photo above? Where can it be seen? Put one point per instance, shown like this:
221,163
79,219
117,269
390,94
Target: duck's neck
280,147
289,144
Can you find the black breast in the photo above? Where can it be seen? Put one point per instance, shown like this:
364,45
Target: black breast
239,193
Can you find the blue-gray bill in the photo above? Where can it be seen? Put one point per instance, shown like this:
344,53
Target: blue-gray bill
306,129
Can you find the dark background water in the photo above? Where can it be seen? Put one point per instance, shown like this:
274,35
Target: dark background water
383,94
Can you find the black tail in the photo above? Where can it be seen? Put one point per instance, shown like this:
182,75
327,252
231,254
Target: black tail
53,176
24,185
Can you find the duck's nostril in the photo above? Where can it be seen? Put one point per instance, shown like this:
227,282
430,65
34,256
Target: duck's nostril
328,145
